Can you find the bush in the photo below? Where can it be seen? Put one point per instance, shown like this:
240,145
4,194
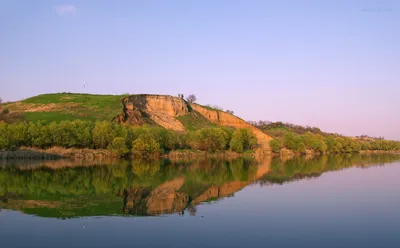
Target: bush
293,142
315,142
236,145
333,145
275,146
103,134
5,111
243,139
211,139
118,147
145,145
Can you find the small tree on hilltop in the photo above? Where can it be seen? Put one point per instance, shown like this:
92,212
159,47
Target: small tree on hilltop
1,100
229,112
191,98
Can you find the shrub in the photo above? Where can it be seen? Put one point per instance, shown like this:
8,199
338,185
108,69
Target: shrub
211,139
275,145
118,147
145,145
315,142
236,145
5,111
103,134
293,142
243,139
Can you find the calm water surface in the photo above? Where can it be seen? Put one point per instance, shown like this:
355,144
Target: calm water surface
335,201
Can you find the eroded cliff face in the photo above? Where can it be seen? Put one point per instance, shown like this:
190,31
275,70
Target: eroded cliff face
163,110
159,108
225,119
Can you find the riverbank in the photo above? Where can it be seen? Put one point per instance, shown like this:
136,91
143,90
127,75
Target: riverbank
56,153
104,154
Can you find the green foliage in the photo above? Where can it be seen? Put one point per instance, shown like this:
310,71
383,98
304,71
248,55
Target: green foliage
293,142
275,145
4,137
118,147
333,145
155,140
279,129
194,121
242,140
315,142
70,106
349,145
103,134
5,111
146,145
54,116
211,139
236,145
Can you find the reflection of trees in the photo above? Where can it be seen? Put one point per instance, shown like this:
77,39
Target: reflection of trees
192,210
145,167
300,167
135,184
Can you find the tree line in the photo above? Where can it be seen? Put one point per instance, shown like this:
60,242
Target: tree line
122,139
330,143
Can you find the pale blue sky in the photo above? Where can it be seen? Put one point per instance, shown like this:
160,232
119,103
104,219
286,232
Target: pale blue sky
331,64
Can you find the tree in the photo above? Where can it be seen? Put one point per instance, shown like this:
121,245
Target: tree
5,111
315,142
191,98
293,142
146,145
211,139
1,100
229,112
118,147
242,139
102,134
275,145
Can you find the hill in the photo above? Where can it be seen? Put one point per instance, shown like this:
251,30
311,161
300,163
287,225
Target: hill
170,112
62,106
188,125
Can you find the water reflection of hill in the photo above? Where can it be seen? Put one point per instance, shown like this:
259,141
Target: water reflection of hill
65,189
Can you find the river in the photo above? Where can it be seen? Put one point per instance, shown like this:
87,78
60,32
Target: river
326,201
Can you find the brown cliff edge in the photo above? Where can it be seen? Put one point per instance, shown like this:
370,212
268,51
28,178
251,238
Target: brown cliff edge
164,110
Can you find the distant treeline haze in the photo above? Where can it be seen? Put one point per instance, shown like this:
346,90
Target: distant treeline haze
299,139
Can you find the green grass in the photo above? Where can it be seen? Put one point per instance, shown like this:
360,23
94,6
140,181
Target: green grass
194,121
277,132
54,116
83,206
210,108
71,106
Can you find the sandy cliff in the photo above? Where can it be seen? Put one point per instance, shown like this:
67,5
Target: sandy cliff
163,110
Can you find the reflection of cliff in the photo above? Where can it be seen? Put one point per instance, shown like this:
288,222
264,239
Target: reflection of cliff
152,187
167,198
162,200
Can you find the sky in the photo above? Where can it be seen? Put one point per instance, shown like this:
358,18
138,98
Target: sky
330,64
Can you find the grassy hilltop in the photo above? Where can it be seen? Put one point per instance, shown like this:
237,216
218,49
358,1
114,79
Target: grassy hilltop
63,106
87,107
